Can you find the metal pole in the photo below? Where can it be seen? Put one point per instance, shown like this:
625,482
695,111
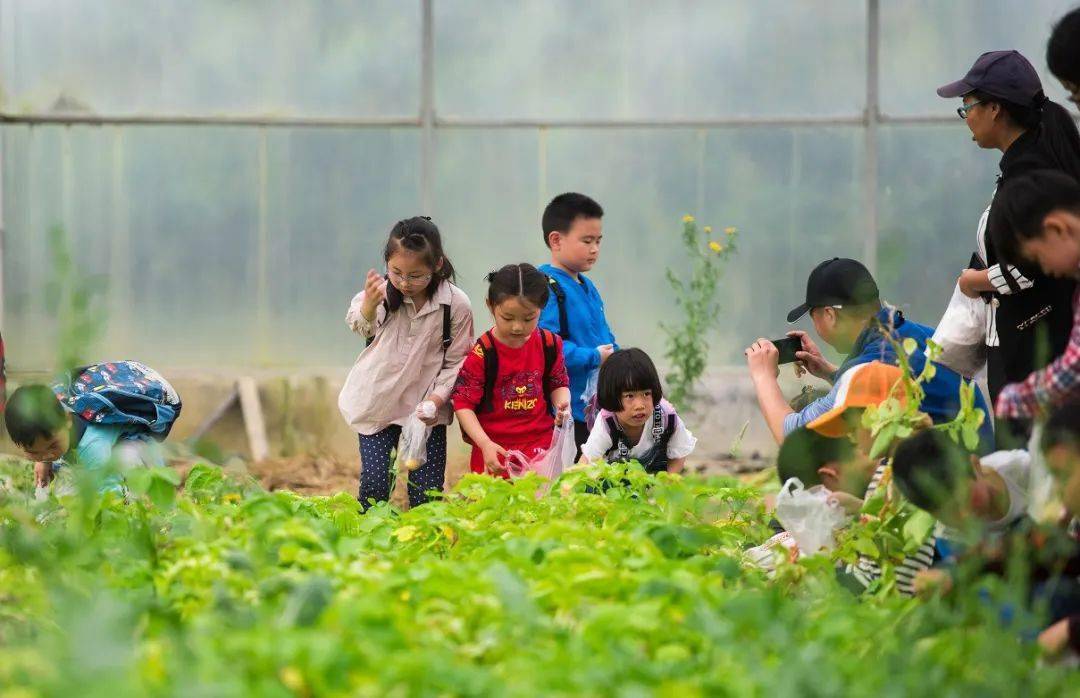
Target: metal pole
873,115
427,105
542,161
3,138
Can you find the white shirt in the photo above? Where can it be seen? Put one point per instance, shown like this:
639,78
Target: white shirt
601,443
1014,467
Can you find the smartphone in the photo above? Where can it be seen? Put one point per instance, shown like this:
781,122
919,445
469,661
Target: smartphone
787,347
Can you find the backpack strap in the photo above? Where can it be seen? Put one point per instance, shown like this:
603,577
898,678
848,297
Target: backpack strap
657,424
386,316
491,372
621,446
669,431
550,355
446,338
560,301
445,327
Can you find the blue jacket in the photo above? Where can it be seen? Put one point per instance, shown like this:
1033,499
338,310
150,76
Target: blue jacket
942,400
587,330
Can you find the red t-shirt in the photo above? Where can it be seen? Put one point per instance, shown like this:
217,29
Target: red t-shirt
519,418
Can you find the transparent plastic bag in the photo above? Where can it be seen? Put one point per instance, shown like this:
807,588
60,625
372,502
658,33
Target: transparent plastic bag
412,447
588,397
547,464
809,515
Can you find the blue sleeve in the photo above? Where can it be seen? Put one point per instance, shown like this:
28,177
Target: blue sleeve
96,445
95,451
578,358
809,413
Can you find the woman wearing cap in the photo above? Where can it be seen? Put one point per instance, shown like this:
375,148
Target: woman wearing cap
1029,317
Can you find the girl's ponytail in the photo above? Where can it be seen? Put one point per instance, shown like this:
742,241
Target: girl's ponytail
1060,137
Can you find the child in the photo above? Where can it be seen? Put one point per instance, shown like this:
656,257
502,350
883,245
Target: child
834,463
514,376
941,477
418,326
1036,220
1061,446
104,412
635,421
1063,54
574,310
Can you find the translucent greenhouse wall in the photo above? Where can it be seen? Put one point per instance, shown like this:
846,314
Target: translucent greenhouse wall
232,169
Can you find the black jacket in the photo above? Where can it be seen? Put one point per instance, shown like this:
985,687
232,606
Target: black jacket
1033,325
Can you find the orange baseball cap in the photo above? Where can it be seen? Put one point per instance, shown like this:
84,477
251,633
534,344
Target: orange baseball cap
860,386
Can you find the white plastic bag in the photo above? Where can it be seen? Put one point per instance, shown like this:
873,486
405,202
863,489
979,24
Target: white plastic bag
412,447
961,334
547,464
809,515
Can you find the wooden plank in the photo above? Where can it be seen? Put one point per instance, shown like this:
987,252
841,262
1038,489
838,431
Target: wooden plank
254,423
211,419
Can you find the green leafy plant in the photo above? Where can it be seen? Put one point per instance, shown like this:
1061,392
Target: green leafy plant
695,289
616,583
899,416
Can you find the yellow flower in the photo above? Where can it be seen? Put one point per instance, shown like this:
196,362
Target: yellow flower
716,247
707,229
730,230
688,218
406,533
292,678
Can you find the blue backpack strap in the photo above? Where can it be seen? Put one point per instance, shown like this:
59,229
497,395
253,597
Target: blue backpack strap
560,301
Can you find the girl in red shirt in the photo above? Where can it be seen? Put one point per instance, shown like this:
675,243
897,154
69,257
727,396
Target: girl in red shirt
514,375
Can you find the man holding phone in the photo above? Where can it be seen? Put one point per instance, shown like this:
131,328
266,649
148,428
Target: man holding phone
844,305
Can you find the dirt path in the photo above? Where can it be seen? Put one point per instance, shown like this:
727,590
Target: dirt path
328,475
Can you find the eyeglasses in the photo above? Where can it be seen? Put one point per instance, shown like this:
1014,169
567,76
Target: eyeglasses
410,279
966,109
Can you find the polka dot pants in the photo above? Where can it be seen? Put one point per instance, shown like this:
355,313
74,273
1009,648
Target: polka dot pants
375,471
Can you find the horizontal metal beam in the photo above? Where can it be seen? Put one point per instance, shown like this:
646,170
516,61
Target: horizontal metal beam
721,122
79,119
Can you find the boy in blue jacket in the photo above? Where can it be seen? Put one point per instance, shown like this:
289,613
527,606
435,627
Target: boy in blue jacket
574,310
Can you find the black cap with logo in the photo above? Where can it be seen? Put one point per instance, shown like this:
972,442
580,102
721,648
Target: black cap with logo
837,281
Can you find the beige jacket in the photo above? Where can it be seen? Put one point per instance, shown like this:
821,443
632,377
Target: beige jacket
405,363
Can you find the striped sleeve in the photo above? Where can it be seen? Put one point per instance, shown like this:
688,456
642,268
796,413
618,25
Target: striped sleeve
1001,284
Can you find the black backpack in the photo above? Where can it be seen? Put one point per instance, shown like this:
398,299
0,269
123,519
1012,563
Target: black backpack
491,366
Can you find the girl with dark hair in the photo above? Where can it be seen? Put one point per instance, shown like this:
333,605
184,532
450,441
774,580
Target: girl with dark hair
1029,315
635,421
418,326
513,387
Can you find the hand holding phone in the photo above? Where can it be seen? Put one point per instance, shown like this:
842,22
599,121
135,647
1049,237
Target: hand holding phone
787,348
